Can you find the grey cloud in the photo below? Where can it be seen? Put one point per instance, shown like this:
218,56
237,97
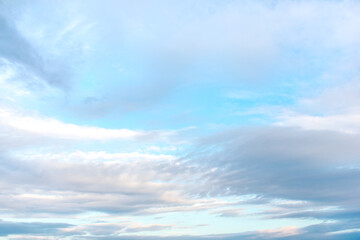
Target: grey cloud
14,47
233,212
32,66
288,163
153,227
341,215
318,168
112,187
8,228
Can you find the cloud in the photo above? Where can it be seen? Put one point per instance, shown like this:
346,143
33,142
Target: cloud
31,66
10,228
306,168
231,212
152,56
347,123
314,168
119,183
113,229
334,108
284,233
280,232
57,186
14,47
314,172
340,98
54,128
318,170
43,43
39,127
287,163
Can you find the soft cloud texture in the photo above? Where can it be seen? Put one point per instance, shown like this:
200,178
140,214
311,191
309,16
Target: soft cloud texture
179,120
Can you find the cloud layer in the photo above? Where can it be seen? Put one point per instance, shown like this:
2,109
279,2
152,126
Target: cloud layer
179,120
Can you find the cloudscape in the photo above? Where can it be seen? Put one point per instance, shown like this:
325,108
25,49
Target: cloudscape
179,120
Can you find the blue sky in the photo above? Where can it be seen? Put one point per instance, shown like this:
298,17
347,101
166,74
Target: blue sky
179,119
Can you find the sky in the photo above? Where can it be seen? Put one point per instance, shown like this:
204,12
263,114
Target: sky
179,120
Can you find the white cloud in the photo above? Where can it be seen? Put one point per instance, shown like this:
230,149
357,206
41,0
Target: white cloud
334,108
50,127
347,123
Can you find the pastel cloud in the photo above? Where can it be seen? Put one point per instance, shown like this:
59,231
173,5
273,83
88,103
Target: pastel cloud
179,120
